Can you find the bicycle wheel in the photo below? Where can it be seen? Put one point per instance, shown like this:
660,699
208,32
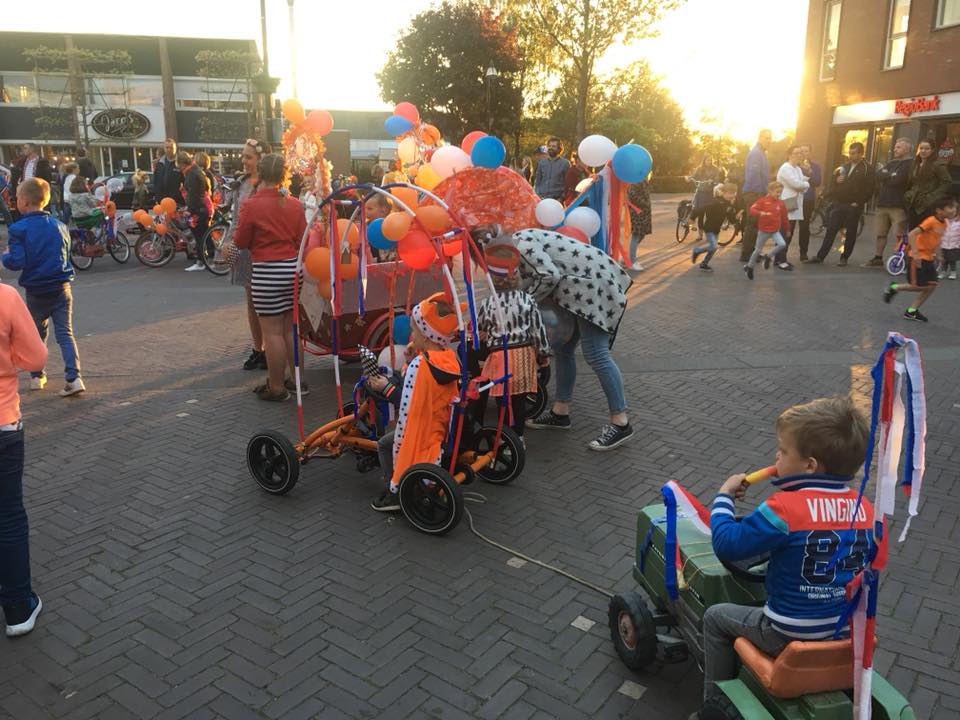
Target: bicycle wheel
683,226
817,222
896,264
77,258
119,247
210,250
728,233
154,250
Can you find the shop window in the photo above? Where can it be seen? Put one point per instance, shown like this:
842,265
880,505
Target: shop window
948,13
896,47
831,36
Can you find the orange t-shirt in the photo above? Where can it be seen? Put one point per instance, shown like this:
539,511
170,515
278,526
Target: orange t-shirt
20,347
931,231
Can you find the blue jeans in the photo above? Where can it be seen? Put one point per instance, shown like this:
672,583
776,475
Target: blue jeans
14,531
57,306
635,241
762,237
710,248
595,345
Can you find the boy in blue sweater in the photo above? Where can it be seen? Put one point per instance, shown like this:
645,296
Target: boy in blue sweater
39,246
821,445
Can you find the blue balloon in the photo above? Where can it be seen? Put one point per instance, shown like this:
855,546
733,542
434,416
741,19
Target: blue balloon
376,238
488,152
396,125
632,163
401,329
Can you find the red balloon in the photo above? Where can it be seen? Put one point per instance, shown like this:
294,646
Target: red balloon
319,122
572,232
469,139
454,247
416,250
409,111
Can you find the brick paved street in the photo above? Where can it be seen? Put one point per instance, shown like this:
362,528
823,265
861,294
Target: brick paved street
174,588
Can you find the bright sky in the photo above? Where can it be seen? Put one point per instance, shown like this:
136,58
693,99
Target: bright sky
735,59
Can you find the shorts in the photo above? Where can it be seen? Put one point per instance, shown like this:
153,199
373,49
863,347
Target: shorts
271,286
886,217
924,275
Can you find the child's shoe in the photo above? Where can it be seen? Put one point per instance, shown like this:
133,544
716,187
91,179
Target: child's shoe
705,267
952,275
766,262
694,256
637,267
914,314
889,292
941,274
73,387
386,502
22,617
37,383
748,269
196,266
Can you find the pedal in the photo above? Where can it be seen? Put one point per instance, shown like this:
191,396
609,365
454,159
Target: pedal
671,649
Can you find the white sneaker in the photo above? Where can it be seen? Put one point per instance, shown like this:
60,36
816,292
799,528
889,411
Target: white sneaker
37,383
941,275
74,387
952,275
637,267
196,266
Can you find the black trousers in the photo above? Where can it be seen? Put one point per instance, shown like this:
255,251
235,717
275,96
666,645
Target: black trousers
518,404
843,216
749,226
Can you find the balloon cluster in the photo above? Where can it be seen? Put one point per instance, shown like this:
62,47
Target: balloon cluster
161,214
629,163
427,159
304,148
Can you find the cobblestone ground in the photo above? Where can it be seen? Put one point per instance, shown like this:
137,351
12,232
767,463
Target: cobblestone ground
173,587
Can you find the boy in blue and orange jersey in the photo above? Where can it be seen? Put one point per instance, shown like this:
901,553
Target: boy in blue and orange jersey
821,445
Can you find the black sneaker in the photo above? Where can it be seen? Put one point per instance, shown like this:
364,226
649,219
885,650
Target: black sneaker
705,267
817,260
549,421
253,362
694,256
915,315
386,502
766,262
22,617
889,293
748,269
611,436
291,386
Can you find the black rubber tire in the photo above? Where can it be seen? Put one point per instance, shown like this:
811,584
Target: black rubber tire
273,462
817,222
683,229
430,499
209,247
728,233
632,630
537,401
165,246
719,707
80,262
511,455
119,248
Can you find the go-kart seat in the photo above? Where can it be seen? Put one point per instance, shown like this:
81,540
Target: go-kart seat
802,667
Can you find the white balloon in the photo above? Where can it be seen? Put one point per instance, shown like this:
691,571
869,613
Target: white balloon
100,193
114,185
407,151
584,184
549,213
596,150
586,219
448,160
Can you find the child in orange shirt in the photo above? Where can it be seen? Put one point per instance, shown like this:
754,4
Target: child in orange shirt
922,252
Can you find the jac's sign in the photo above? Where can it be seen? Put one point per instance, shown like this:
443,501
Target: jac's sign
917,105
120,124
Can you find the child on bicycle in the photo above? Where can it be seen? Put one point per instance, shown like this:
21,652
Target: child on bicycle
423,397
83,205
718,211
39,246
815,545
772,222
924,241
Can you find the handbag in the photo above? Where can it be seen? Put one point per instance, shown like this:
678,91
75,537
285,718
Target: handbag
228,253
792,203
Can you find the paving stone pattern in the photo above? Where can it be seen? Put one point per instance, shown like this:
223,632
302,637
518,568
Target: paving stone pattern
174,588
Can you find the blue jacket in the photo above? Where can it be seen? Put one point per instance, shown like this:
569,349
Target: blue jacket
756,175
40,247
801,527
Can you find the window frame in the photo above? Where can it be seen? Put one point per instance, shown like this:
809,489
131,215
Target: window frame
891,36
938,13
828,6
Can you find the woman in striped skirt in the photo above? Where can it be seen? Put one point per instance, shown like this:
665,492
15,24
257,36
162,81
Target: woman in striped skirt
272,225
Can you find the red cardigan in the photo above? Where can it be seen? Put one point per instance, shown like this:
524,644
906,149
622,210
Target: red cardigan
773,222
271,225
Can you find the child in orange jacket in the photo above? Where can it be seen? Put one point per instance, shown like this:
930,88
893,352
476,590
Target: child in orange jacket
772,221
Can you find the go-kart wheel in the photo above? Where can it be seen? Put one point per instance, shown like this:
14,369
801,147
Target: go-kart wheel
719,707
511,455
430,499
469,476
632,630
273,462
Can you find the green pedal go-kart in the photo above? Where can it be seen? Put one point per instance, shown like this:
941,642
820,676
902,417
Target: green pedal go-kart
808,681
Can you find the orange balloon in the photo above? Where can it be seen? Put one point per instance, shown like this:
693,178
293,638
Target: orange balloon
427,177
350,271
168,205
293,111
156,209
470,138
406,195
324,289
416,250
396,225
110,207
317,263
160,229
429,135
353,233
319,122
452,248
434,218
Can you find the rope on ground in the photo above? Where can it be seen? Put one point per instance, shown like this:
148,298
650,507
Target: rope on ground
480,500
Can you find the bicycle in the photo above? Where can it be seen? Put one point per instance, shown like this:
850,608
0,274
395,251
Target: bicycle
156,247
91,236
213,239
685,213
820,214
897,263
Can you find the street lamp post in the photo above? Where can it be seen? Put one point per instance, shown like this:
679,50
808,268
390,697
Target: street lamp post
293,47
488,79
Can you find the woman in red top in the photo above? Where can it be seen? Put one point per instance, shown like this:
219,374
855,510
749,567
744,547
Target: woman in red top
772,219
272,225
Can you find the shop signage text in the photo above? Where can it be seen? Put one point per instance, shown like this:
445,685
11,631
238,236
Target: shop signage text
916,105
120,124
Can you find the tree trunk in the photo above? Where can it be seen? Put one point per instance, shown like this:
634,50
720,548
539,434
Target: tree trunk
583,90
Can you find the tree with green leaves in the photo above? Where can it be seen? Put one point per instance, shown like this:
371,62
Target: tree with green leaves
572,35
440,65
220,67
